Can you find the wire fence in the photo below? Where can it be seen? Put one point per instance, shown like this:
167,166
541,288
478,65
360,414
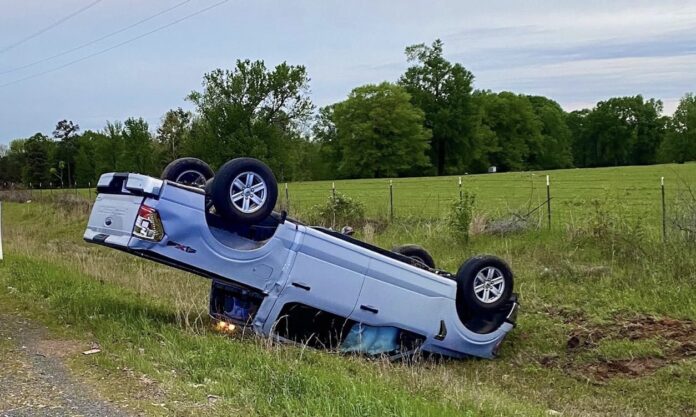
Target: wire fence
540,199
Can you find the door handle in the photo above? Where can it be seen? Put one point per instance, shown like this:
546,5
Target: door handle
369,308
301,286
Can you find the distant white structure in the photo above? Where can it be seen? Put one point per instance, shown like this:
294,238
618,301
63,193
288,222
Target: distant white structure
492,169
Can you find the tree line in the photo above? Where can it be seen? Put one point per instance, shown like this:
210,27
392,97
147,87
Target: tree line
431,121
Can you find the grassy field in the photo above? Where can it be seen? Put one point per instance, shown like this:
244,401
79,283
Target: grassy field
636,190
607,325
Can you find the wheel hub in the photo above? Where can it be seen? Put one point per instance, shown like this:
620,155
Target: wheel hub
489,285
248,192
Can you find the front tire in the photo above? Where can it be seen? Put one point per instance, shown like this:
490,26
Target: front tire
188,171
484,284
244,191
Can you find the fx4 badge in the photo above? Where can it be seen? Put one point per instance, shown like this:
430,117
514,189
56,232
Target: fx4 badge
181,247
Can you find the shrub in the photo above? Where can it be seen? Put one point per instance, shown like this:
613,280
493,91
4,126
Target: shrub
338,210
461,215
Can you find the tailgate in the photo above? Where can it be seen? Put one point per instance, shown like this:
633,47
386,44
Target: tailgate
112,218
116,207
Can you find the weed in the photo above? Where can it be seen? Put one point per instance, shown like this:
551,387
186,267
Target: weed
338,210
461,215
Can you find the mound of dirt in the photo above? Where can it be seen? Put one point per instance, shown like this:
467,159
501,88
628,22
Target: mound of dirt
676,337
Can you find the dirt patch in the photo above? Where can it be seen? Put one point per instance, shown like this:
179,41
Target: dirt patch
58,348
676,340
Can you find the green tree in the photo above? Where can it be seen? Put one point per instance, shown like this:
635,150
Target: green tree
618,131
679,144
509,132
172,133
37,150
137,147
108,148
66,132
556,140
444,92
250,111
380,133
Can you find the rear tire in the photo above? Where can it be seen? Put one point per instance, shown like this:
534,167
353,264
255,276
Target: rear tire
417,253
188,171
244,191
484,284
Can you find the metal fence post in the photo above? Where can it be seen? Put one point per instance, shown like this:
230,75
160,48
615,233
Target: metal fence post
391,200
287,199
461,195
89,190
664,211
548,199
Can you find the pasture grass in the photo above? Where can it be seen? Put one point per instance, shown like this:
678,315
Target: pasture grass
585,281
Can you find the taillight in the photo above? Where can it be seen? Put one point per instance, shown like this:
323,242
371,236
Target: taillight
148,224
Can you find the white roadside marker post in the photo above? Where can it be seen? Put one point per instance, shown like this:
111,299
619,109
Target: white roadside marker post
0,230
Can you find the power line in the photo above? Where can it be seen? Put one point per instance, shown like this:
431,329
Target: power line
103,51
92,42
49,27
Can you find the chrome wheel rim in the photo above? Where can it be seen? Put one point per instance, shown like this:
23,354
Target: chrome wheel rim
248,192
489,285
191,177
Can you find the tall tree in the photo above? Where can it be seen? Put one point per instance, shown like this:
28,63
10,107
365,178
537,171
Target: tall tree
380,133
618,131
175,128
37,151
251,111
555,149
66,133
509,131
444,92
137,147
680,141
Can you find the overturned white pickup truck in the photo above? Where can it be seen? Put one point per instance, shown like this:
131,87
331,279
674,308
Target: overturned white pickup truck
295,282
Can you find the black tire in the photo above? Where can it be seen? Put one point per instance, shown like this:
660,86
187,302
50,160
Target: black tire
467,297
417,253
188,171
222,189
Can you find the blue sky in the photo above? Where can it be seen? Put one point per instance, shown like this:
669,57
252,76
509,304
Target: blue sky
576,52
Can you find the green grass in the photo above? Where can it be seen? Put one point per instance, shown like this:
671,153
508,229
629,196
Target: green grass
150,319
635,189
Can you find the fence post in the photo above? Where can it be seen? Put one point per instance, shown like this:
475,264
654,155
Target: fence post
89,188
287,199
664,211
461,196
391,200
548,199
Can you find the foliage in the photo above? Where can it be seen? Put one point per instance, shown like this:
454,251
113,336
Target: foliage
378,133
251,111
432,121
619,131
338,210
443,91
173,132
680,142
461,215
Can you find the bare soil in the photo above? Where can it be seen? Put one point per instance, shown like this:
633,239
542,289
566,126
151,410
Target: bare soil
676,337
34,379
